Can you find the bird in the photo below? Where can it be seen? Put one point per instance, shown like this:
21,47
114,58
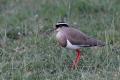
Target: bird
71,38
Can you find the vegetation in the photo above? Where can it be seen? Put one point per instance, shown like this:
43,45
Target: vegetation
29,51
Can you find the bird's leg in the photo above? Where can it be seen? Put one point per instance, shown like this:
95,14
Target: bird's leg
77,59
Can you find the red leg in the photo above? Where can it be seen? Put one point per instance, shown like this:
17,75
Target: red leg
76,61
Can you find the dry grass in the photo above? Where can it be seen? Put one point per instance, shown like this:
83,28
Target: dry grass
34,54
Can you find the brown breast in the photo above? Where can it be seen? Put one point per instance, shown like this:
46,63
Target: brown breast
61,38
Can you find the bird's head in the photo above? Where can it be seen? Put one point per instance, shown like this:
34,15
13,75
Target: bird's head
59,25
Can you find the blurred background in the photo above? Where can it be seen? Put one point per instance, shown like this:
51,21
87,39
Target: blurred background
29,51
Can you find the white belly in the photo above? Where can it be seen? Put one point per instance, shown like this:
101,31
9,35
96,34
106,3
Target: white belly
69,45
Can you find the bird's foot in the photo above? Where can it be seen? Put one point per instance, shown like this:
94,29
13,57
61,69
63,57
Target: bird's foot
74,65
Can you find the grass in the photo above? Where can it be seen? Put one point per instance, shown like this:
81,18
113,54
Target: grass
34,54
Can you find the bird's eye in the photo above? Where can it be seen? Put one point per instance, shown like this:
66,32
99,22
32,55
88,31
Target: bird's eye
57,26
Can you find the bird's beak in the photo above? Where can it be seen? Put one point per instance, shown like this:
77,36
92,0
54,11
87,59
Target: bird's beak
55,29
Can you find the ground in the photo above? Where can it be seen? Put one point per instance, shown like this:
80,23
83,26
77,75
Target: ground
29,50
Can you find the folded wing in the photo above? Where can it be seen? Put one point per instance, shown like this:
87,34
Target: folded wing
79,38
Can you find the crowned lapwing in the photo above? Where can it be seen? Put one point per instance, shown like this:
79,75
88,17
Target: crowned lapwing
74,39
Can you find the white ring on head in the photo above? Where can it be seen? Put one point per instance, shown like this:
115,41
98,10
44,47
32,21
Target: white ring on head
61,23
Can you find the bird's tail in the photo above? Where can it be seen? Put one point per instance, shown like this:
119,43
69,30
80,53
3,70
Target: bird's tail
100,43
95,42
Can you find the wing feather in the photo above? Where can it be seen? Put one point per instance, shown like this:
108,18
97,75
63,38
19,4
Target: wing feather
79,38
